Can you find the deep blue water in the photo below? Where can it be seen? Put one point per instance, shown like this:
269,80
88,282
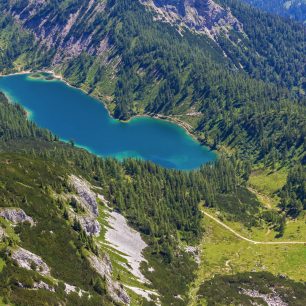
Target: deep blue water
73,115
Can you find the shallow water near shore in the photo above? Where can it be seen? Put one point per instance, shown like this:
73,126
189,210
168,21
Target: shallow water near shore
72,115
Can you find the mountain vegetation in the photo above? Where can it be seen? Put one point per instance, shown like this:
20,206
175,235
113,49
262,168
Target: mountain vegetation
294,192
238,79
294,9
162,204
246,288
259,91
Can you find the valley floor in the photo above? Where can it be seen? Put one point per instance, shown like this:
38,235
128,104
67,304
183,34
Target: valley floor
229,248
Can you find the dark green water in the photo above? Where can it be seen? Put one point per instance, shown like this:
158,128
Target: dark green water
73,115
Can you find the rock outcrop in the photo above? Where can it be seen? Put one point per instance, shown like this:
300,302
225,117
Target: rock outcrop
70,288
117,292
203,16
43,285
90,225
88,200
27,260
102,266
87,197
114,289
272,299
15,215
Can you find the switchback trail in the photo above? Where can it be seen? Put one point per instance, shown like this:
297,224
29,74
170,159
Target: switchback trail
247,239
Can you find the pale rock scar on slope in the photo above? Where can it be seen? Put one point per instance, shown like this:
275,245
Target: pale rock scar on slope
119,235
129,242
25,259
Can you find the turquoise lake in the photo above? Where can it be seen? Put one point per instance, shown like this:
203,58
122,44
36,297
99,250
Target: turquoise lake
72,115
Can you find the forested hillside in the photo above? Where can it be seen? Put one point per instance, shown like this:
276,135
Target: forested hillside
294,9
118,53
162,204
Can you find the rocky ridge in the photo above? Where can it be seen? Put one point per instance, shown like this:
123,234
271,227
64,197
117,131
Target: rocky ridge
104,268
202,16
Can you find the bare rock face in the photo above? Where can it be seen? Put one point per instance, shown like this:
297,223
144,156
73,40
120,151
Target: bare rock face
27,260
114,289
70,289
102,266
88,199
87,196
90,225
202,16
271,299
117,292
15,215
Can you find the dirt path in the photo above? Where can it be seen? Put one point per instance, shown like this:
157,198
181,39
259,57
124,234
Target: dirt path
199,278
247,239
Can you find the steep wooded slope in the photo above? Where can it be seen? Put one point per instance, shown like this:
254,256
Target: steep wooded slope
162,204
294,9
119,52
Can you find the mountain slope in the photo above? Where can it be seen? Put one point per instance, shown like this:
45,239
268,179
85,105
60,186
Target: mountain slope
235,74
76,27
294,9
43,186
42,177
117,52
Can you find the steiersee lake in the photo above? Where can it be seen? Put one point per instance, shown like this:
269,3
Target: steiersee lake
73,115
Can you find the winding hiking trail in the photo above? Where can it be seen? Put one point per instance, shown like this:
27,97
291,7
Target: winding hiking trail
198,280
247,239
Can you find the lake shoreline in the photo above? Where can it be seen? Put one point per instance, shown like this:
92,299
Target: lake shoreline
184,125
